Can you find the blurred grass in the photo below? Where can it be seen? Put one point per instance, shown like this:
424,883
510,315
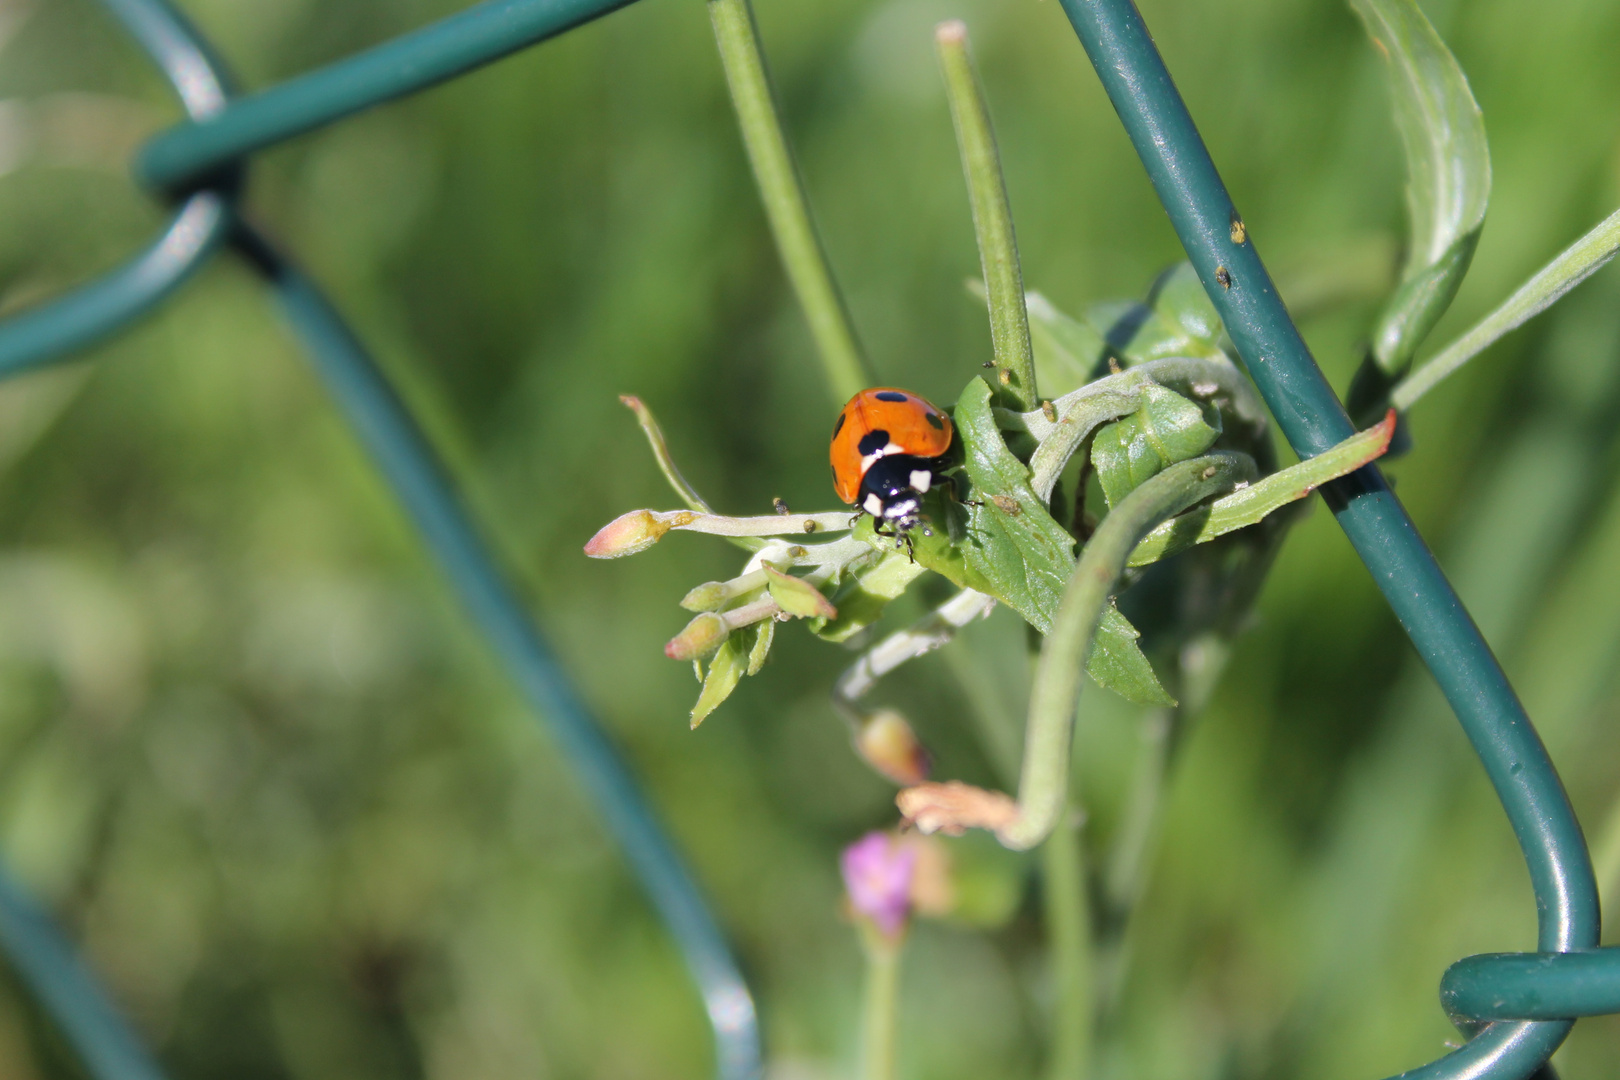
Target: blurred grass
252,755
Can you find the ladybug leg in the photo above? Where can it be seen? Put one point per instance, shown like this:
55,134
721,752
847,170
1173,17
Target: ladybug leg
955,490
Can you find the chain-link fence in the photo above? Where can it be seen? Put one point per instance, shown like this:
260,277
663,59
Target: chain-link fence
1517,1007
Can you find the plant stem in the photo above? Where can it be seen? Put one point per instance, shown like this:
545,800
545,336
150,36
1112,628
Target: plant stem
1128,859
880,1011
1068,932
1606,858
1573,265
992,218
1044,781
783,193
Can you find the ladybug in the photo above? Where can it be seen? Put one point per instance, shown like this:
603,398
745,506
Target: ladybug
888,450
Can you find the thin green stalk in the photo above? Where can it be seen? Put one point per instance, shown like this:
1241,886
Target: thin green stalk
1606,864
880,1012
1122,883
783,193
1068,932
1128,859
992,218
1044,781
1573,265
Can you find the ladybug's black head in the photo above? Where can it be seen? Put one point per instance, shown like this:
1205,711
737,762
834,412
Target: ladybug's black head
893,487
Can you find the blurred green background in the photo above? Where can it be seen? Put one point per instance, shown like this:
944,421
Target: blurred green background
258,763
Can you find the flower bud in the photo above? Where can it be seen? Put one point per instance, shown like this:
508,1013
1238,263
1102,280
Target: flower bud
702,636
714,595
889,745
627,534
710,596
797,596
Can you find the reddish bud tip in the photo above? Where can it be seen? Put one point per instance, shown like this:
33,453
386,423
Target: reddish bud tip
627,534
702,636
1386,432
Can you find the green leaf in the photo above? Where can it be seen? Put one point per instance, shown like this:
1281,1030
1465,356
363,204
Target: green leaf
1118,664
1179,299
1012,542
725,672
765,635
1250,504
1573,265
1068,352
1177,320
1448,173
863,597
1165,429
1025,558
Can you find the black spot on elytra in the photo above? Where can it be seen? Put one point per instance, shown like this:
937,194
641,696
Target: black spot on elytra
889,395
935,422
872,442
838,426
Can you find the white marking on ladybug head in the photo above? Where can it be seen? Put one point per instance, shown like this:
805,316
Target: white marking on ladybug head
901,509
871,459
920,479
873,505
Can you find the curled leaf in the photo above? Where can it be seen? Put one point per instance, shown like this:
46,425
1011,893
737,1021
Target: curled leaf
1448,167
1255,501
1024,558
1167,428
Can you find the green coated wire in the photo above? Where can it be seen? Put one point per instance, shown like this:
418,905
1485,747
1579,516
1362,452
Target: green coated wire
56,329
189,153
68,989
59,328
404,456
42,958
38,951
1178,164
1568,978
1533,986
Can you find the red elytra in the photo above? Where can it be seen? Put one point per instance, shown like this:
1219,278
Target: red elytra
903,422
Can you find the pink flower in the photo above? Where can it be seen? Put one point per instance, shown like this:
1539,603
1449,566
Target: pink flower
877,873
